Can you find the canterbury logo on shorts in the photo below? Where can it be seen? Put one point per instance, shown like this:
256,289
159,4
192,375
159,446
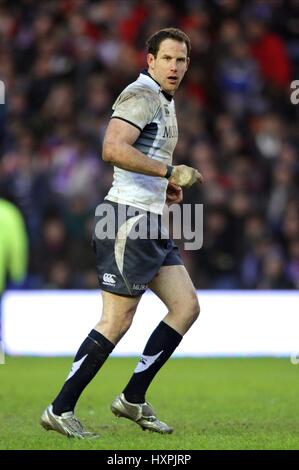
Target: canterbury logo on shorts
109,279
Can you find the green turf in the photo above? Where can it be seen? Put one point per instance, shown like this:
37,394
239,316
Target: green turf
212,404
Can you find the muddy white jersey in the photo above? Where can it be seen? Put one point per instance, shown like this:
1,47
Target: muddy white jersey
146,106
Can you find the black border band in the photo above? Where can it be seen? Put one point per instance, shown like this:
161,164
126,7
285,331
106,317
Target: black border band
129,122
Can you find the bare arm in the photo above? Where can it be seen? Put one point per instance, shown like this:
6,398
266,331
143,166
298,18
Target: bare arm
119,151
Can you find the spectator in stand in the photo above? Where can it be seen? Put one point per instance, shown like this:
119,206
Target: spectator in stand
270,52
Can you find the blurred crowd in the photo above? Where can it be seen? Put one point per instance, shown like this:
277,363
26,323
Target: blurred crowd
64,62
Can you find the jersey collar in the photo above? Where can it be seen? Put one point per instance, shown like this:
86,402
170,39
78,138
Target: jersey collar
145,74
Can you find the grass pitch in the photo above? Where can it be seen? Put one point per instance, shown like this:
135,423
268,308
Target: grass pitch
212,403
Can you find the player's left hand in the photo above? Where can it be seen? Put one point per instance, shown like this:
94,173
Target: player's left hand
174,194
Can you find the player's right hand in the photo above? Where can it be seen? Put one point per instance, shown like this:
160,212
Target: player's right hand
185,176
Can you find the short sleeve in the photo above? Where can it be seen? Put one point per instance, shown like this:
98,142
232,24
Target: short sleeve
136,107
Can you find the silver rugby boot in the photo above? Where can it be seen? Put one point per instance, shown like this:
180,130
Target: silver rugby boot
66,424
141,413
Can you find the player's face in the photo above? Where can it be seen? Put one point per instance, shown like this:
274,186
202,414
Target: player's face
170,65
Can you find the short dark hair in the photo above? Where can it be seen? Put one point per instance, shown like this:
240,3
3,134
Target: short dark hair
153,43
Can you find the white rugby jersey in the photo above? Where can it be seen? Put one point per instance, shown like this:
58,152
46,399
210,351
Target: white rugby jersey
146,106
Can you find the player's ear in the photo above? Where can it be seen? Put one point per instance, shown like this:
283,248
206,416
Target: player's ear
188,62
150,60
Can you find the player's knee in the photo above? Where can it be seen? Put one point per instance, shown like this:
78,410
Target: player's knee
194,308
115,325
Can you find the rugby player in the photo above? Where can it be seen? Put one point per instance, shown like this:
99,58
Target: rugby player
139,142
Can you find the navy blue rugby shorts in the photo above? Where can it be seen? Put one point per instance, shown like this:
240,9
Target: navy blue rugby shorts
127,262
